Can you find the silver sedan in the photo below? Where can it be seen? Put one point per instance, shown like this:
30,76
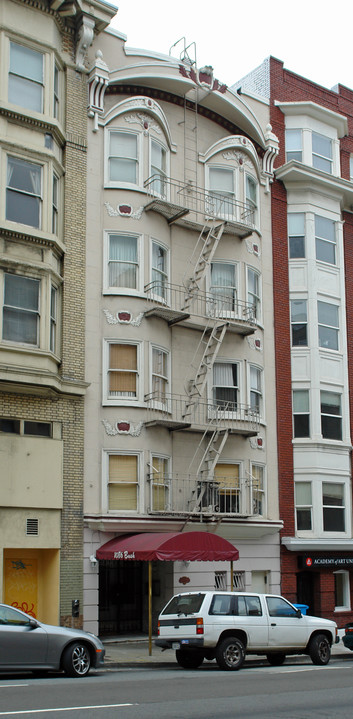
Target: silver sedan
26,644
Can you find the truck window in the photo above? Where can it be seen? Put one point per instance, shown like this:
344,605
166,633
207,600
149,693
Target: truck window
221,604
248,606
278,607
184,604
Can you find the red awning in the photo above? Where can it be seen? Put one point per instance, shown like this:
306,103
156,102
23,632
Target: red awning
170,547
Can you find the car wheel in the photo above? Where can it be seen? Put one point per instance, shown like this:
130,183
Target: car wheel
189,660
319,649
76,660
276,659
230,654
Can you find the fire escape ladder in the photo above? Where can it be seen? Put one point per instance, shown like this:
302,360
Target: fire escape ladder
208,239
197,385
207,466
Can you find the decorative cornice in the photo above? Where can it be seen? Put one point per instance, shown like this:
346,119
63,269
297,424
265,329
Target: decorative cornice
122,426
124,210
97,84
123,317
272,150
84,41
145,122
203,77
45,125
141,110
33,239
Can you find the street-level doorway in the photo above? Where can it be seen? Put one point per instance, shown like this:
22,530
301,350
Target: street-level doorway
305,590
120,597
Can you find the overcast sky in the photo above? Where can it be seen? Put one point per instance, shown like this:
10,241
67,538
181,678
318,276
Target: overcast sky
313,38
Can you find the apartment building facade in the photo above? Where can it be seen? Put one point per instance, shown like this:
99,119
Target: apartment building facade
312,221
43,135
180,414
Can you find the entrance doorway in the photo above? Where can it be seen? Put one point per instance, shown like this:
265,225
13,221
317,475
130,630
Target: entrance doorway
120,597
305,590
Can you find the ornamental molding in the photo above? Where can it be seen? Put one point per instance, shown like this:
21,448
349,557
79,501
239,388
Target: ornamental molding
257,442
253,248
98,81
233,147
123,317
203,77
122,426
254,343
145,112
84,41
144,121
272,150
240,157
124,210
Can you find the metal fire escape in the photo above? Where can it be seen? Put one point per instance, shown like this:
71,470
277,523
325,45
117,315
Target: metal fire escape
209,239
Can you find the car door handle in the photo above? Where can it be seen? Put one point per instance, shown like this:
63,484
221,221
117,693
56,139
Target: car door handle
273,624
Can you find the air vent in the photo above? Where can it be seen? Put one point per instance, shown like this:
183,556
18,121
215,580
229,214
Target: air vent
32,526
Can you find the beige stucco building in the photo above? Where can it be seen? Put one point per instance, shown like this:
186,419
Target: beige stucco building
180,422
43,139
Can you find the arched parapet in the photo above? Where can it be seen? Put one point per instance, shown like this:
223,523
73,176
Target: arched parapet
143,111
235,147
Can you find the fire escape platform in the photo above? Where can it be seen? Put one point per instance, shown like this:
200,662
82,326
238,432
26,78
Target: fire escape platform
244,429
195,220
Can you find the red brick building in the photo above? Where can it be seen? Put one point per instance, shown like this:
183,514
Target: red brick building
312,227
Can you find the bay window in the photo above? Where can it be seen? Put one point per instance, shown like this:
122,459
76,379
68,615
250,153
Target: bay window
160,484
325,240
53,317
301,413
24,192
122,371
225,385
257,489
226,488
296,235
331,415
26,77
322,152
21,309
251,197
221,191
122,482
255,389
328,325
159,374
303,506
123,164
123,261
254,292
333,507
294,145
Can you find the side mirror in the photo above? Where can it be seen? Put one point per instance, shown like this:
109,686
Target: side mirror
33,624
299,614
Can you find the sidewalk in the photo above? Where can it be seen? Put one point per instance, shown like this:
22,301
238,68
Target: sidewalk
120,652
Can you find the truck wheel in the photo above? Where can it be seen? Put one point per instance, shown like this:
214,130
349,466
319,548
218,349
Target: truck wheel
319,649
276,659
189,660
230,654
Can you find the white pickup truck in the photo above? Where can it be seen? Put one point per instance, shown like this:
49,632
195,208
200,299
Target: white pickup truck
227,625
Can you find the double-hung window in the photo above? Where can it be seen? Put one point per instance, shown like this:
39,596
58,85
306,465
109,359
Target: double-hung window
159,484
225,385
333,507
56,92
123,158
158,168
26,77
322,152
328,325
221,192
55,204
123,482
53,317
224,492
21,309
255,389
294,145
296,235
331,415
159,270
251,198
123,261
325,240
254,299
299,322
123,371
159,374
301,413
257,489
223,290
24,192
303,506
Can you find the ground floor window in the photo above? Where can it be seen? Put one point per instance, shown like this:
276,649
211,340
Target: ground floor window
342,592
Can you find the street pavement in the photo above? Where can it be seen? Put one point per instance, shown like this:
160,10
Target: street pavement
124,651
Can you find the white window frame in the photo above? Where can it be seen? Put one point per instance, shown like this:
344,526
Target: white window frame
249,202
29,82
53,318
37,313
21,193
326,325
321,239
301,414
258,392
257,297
164,173
307,507
159,402
168,484
335,415
241,497
138,185
294,323
229,203
123,401
345,576
343,507
262,492
164,274
224,309
297,147
223,409
292,236
111,290
325,158
106,453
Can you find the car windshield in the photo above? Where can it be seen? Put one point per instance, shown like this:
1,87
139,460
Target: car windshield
184,604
